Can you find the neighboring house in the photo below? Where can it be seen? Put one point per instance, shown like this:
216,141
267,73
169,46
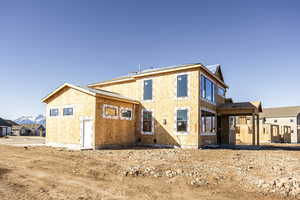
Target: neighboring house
5,127
29,130
182,106
277,125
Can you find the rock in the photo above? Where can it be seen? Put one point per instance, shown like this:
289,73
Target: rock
199,182
170,173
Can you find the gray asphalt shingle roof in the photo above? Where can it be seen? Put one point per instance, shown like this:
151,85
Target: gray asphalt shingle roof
291,111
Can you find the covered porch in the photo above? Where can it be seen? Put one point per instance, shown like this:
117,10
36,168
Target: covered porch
226,122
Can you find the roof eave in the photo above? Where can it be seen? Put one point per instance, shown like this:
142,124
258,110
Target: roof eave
44,100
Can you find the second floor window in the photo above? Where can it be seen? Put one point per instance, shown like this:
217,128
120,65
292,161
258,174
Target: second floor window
54,112
147,90
68,111
221,91
207,89
182,85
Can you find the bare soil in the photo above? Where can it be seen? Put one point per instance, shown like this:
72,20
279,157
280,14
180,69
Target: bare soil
52,173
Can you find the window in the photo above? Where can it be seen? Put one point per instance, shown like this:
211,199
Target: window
54,112
275,121
182,120
110,111
68,111
221,91
126,113
147,125
182,85
207,89
148,90
208,122
291,120
298,119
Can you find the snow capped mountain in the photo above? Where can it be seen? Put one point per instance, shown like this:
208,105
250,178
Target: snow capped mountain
40,119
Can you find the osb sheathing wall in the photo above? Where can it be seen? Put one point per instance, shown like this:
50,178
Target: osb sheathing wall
114,132
164,106
245,135
66,129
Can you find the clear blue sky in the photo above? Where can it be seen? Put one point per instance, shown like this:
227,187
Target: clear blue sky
46,43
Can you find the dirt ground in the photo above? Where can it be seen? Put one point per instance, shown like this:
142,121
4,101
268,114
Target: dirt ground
23,141
52,173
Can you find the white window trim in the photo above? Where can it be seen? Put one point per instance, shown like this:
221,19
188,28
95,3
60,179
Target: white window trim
142,116
68,106
51,108
204,99
188,88
126,118
109,116
188,121
142,97
216,122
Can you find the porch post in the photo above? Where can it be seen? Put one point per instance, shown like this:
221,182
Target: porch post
257,121
253,129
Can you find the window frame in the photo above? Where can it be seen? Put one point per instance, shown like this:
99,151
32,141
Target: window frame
187,85
152,87
187,122
110,116
221,89
127,109
214,123
142,122
203,90
68,106
53,108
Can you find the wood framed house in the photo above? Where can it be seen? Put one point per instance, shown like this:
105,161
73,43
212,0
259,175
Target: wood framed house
183,106
29,130
277,125
5,127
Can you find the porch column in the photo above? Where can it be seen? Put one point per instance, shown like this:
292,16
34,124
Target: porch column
257,126
253,129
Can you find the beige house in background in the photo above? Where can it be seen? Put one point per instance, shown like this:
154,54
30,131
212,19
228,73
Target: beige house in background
183,106
277,125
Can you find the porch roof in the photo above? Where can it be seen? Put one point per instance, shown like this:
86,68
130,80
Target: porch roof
240,108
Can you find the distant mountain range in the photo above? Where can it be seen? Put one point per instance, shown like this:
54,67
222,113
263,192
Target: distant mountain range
40,119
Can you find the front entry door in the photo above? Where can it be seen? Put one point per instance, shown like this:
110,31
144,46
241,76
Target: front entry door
87,134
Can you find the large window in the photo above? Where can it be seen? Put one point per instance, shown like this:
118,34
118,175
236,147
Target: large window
182,120
68,111
208,122
147,125
148,90
207,89
298,119
54,112
182,85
